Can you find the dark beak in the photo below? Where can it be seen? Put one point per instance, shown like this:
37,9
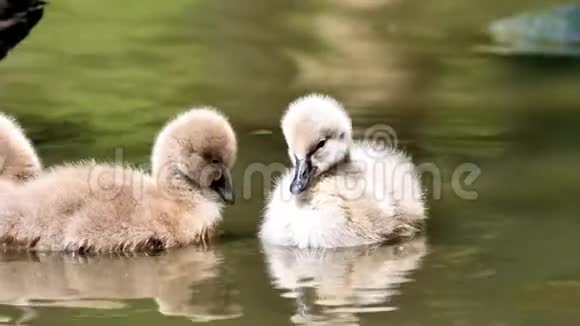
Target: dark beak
302,173
223,187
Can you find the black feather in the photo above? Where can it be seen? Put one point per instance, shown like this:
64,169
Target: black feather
17,18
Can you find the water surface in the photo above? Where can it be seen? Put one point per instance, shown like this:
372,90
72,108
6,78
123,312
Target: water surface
98,79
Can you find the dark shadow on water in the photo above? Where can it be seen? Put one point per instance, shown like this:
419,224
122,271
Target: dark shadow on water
73,135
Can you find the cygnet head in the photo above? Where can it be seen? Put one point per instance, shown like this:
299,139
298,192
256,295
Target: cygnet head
318,132
197,148
18,158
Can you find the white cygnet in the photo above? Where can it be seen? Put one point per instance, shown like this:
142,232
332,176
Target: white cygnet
340,192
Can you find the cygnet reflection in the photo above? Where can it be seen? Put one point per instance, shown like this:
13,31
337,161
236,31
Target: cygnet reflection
332,287
187,282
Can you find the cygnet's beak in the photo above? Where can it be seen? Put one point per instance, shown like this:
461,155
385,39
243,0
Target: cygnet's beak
302,174
224,188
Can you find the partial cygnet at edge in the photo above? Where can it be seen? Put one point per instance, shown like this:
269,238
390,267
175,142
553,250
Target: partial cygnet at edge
18,159
340,193
89,207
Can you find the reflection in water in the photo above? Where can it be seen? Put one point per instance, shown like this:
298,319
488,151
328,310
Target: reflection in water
187,282
331,286
500,260
356,62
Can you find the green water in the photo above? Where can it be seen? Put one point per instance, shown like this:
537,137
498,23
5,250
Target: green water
99,78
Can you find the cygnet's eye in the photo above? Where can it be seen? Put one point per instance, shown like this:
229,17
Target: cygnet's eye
215,161
320,144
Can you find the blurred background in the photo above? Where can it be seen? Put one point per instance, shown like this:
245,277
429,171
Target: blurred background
457,84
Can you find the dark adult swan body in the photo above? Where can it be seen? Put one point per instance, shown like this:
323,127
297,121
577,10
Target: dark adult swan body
17,18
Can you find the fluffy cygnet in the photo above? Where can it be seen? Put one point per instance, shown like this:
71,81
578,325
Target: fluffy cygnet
340,193
18,159
89,207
